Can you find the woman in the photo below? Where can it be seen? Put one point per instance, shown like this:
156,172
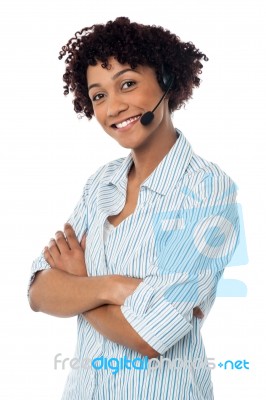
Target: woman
145,247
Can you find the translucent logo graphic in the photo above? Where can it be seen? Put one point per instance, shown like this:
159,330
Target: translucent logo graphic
196,243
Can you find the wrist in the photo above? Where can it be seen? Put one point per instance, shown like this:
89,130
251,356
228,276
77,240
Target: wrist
119,287
98,288
110,289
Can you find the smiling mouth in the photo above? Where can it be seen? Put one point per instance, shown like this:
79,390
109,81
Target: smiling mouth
126,122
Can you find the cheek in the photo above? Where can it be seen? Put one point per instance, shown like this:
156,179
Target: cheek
151,97
99,114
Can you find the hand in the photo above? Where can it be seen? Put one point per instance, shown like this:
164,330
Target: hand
198,313
66,253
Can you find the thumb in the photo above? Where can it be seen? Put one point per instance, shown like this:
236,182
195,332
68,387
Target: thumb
198,313
83,242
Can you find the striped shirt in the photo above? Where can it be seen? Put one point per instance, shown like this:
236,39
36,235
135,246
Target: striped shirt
180,237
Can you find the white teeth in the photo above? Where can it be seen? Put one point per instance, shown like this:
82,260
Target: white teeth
125,123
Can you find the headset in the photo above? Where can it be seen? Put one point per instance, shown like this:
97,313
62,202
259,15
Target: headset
168,80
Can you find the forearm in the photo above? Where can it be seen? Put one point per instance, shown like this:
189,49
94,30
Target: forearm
109,321
58,293
65,290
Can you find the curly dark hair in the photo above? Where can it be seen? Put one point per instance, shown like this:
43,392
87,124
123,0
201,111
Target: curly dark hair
134,44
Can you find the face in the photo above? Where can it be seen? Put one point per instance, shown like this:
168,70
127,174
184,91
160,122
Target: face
120,96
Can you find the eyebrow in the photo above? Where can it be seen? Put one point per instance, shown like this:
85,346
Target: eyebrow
123,71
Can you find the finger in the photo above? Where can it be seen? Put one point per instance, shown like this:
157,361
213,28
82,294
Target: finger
198,313
54,251
48,258
71,236
61,242
83,242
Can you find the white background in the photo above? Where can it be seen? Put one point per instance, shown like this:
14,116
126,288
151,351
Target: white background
47,154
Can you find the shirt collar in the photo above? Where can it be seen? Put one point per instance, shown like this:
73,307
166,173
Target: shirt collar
165,175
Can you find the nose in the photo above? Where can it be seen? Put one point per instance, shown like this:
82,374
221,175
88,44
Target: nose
116,105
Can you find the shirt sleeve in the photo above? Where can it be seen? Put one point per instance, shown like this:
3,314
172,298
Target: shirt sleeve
189,264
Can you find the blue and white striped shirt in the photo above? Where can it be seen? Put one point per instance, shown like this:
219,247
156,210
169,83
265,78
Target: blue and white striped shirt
180,237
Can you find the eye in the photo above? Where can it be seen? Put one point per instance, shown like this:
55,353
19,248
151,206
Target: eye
97,97
128,84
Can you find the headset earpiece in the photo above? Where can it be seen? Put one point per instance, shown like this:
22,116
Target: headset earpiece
167,78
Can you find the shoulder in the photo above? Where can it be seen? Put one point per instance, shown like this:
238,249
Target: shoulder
103,174
199,170
202,168
206,181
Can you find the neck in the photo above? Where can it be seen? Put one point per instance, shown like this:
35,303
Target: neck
146,159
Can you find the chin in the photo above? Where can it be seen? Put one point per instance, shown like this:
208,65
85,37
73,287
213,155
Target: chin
129,141
128,144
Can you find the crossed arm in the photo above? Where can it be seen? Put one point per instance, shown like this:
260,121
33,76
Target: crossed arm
66,290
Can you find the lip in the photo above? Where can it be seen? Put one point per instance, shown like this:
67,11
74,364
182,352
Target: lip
125,119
